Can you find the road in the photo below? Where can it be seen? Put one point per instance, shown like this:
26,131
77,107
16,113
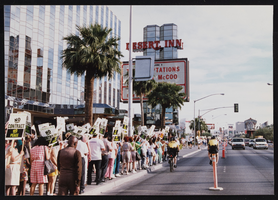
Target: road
241,172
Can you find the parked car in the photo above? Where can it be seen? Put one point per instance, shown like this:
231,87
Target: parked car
246,141
269,141
260,143
251,142
238,143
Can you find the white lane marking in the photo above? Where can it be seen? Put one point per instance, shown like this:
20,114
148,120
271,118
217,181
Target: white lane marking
224,170
191,153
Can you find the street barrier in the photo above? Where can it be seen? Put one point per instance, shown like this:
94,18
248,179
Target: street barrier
215,174
223,149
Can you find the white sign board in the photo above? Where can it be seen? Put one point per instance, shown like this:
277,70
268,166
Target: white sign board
144,68
171,71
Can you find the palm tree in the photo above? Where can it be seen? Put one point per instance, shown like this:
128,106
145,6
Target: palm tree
198,126
141,88
93,53
167,95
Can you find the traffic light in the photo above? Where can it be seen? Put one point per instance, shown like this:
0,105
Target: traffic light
236,107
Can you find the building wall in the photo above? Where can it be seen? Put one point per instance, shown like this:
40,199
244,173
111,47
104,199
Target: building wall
33,42
240,127
161,33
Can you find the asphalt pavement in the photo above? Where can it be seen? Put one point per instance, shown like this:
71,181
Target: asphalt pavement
96,189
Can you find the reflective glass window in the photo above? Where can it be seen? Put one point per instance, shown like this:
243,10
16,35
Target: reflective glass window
97,14
26,92
42,12
32,94
19,91
150,28
150,34
168,27
168,33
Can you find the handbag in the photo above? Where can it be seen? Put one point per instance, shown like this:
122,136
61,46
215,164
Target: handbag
138,157
48,165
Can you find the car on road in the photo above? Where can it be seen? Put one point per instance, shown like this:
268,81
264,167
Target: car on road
238,143
246,141
260,143
251,142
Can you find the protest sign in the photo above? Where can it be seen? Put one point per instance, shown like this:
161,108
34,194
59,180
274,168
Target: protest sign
61,123
33,128
102,126
16,127
151,133
87,126
28,123
125,124
95,128
40,126
78,131
47,132
70,127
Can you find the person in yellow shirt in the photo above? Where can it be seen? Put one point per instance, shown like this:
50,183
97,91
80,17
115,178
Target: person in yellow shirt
173,146
213,147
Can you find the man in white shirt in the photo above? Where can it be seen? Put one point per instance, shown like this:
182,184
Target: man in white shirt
96,146
83,149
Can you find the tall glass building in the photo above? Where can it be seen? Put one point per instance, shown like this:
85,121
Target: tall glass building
34,77
160,33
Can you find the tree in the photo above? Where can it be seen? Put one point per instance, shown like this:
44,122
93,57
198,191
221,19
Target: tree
91,52
266,132
167,95
200,128
141,88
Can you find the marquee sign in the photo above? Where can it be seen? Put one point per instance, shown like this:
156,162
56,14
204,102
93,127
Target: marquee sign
156,45
170,70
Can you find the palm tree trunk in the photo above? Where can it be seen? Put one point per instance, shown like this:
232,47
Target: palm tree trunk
89,82
163,117
142,109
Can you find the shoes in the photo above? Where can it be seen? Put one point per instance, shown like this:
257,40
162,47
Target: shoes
133,171
117,175
81,191
102,180
122,173
175,166
112,177
210,162
89,183
127,173
98,182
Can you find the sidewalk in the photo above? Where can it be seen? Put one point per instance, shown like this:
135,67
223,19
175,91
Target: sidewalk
94,189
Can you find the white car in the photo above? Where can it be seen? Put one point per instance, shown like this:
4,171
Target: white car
260,143
238,143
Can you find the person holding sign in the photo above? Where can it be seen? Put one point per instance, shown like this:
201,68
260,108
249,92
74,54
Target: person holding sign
12,172
39,153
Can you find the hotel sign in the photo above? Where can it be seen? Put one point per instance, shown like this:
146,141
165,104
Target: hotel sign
171,71
156,45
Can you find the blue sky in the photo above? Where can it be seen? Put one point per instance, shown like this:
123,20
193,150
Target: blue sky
229,49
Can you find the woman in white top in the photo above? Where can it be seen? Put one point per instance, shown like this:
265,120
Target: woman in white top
111,156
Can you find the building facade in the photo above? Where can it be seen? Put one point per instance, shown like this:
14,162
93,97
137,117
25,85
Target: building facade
34,76
160,33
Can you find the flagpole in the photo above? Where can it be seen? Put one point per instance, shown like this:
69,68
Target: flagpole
130,83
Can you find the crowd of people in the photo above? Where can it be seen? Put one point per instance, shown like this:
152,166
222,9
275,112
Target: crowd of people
75,160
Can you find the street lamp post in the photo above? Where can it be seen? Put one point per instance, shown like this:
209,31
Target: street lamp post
194,112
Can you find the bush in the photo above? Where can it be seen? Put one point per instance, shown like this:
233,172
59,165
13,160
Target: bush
266,132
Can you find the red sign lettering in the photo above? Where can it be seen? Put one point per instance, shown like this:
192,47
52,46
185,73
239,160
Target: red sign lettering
156,45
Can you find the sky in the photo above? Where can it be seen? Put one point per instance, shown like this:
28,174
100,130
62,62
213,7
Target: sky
230,51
